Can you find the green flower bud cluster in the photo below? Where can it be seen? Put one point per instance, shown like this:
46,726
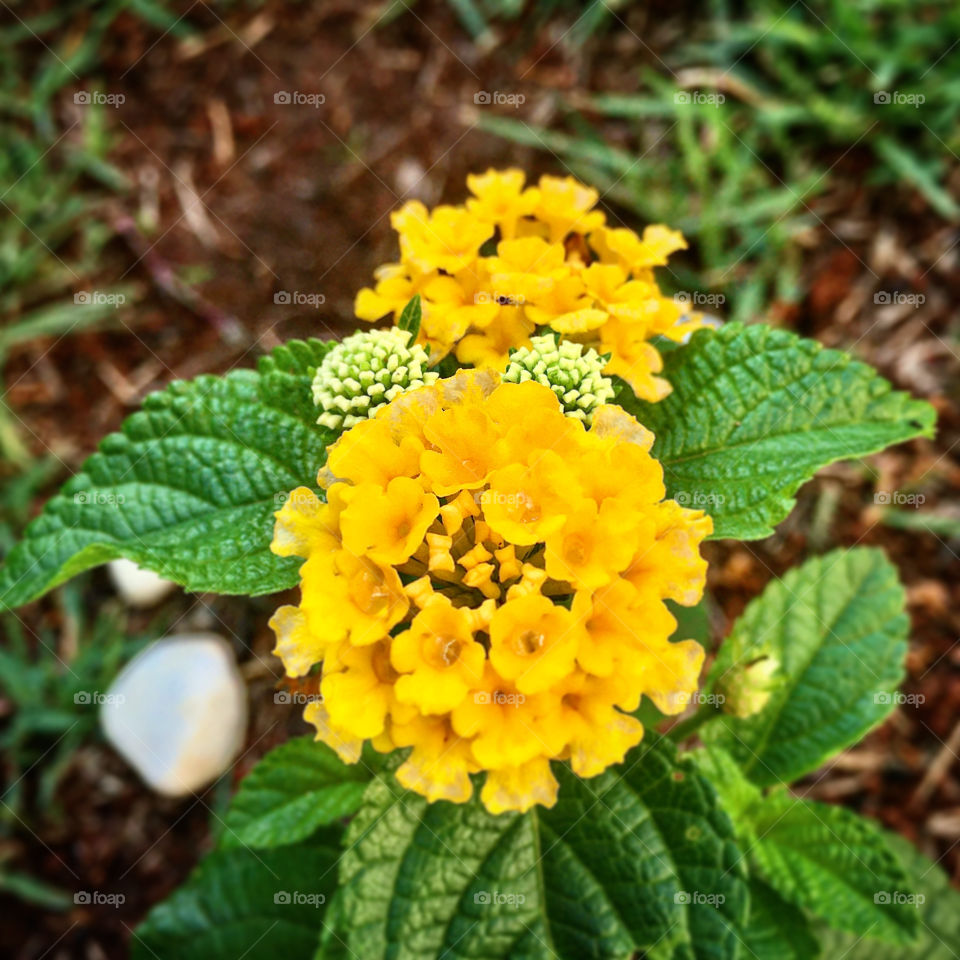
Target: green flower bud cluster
574,375
364,372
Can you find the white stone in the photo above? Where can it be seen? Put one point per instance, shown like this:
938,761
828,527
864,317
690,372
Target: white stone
138,587
177,713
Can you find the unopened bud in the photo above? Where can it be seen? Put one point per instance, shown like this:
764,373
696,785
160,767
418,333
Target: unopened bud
747,688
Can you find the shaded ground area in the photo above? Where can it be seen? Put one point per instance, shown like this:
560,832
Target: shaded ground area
240,199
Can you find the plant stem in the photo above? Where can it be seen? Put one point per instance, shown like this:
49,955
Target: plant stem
686,728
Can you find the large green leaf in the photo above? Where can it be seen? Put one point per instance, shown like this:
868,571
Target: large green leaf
837,626
777,930
756,411
255,904
293,790
639,858
832,862
188,488
938,911
823,859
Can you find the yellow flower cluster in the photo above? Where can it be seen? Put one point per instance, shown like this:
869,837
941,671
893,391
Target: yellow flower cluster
485,584
515,258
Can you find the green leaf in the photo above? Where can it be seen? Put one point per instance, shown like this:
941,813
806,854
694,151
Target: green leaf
777,929
286,375
823,859
188,488
833,863
293,790
333,943
938,911
258,905
756,411
411,316
837,626
639,858
738,796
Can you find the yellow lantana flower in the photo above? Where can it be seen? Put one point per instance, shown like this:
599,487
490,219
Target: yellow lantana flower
438,656
533,642
387,525
514,258
441,761
591,547
566,206
446,239
485,586
500,199
359,675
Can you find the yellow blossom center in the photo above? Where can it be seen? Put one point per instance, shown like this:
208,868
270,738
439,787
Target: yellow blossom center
528,643
575,549
369,592
442,651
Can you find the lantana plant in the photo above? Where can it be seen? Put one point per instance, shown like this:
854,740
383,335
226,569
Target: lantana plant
493,512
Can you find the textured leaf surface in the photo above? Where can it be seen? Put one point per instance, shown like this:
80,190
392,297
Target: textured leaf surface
832,862
756,411
293,790
777,929
938,913
819,858
838,627
188,488
255,904
638,858
333,942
